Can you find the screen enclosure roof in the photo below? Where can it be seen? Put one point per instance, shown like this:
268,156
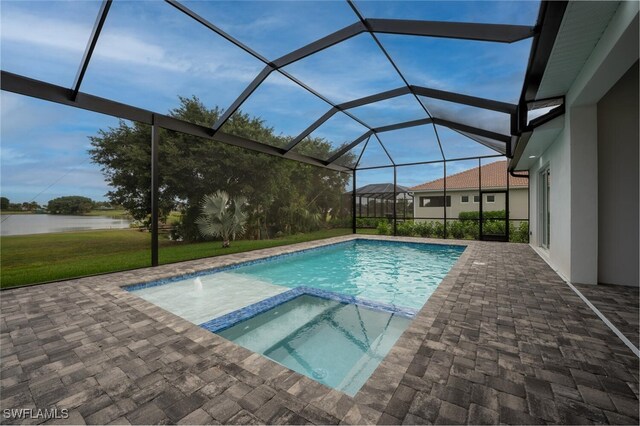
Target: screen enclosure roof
339,84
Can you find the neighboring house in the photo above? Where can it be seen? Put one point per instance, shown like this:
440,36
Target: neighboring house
584,163
376,200
463,193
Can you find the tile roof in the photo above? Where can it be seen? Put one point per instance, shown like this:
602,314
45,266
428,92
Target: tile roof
494,175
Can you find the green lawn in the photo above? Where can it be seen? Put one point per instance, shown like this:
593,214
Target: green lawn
117,214
28,259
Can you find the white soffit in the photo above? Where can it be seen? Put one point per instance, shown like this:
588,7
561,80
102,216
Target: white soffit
541,139
582,26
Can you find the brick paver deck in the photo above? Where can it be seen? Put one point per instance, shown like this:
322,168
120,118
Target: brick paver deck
621,306
502,340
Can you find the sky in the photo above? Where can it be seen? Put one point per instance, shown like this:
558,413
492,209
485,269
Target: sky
149,53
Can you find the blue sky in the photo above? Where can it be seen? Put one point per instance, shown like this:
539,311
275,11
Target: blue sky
149,53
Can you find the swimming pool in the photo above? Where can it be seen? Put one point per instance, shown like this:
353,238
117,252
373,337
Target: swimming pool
306,333
366,287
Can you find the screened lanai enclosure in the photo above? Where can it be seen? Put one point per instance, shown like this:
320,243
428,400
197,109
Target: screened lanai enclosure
119,117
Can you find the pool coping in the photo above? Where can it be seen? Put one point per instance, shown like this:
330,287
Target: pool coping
370,401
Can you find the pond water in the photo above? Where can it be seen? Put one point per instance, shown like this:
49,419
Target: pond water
23,224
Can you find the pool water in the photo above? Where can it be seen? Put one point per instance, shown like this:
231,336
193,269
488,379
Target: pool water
337,344
348,308
401,274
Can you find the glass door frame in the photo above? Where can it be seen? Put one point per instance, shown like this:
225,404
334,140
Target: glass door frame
545,210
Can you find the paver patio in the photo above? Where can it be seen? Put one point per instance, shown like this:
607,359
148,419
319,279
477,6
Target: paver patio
502,340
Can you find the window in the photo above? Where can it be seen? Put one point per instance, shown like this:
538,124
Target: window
476,198
437,201
545,210
491,198
464,199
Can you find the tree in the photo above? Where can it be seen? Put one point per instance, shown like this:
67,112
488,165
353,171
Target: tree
72,205
191,167
4,203
29,206
222,216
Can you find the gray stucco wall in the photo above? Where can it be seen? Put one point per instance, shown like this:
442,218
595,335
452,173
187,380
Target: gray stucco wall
618,189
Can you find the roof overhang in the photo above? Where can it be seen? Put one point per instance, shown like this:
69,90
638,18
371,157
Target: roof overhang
595,43
535,142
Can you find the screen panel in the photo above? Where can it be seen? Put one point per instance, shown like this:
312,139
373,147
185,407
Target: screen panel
374,201
348,70
76,191
281,105
374,155
351,157
480,118
412,145
46,40
275,28
455,145
280,201
390,111
463,190
486,12
426,185
335,133
477,68
149,54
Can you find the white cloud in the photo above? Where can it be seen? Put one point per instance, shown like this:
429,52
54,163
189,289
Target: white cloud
14,157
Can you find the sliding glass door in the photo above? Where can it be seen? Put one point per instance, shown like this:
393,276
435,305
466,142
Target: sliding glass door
545,210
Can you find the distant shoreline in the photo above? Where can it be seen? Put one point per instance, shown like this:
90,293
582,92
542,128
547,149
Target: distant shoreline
107,213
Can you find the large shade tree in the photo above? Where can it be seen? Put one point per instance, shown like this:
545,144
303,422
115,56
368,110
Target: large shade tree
277,190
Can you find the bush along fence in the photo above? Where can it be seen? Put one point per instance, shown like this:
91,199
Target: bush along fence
466,227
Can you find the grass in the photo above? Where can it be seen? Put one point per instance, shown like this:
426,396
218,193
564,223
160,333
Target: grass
117,214
28,259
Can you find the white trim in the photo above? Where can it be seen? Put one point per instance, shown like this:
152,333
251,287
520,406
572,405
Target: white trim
544,255
462,200
494,198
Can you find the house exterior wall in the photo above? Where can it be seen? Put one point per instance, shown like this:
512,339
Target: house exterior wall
618,223
576,170
517,203
556,158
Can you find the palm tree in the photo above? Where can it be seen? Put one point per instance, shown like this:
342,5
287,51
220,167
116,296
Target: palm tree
222,216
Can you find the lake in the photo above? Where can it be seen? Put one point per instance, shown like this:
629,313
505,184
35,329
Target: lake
24,224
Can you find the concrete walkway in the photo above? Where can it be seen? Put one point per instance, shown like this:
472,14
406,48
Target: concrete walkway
502,340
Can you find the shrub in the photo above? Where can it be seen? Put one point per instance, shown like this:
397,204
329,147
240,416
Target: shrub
366,222
455,229
406,229
383,228
438,229
520,234
423,229
475,215
340,222
496,227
